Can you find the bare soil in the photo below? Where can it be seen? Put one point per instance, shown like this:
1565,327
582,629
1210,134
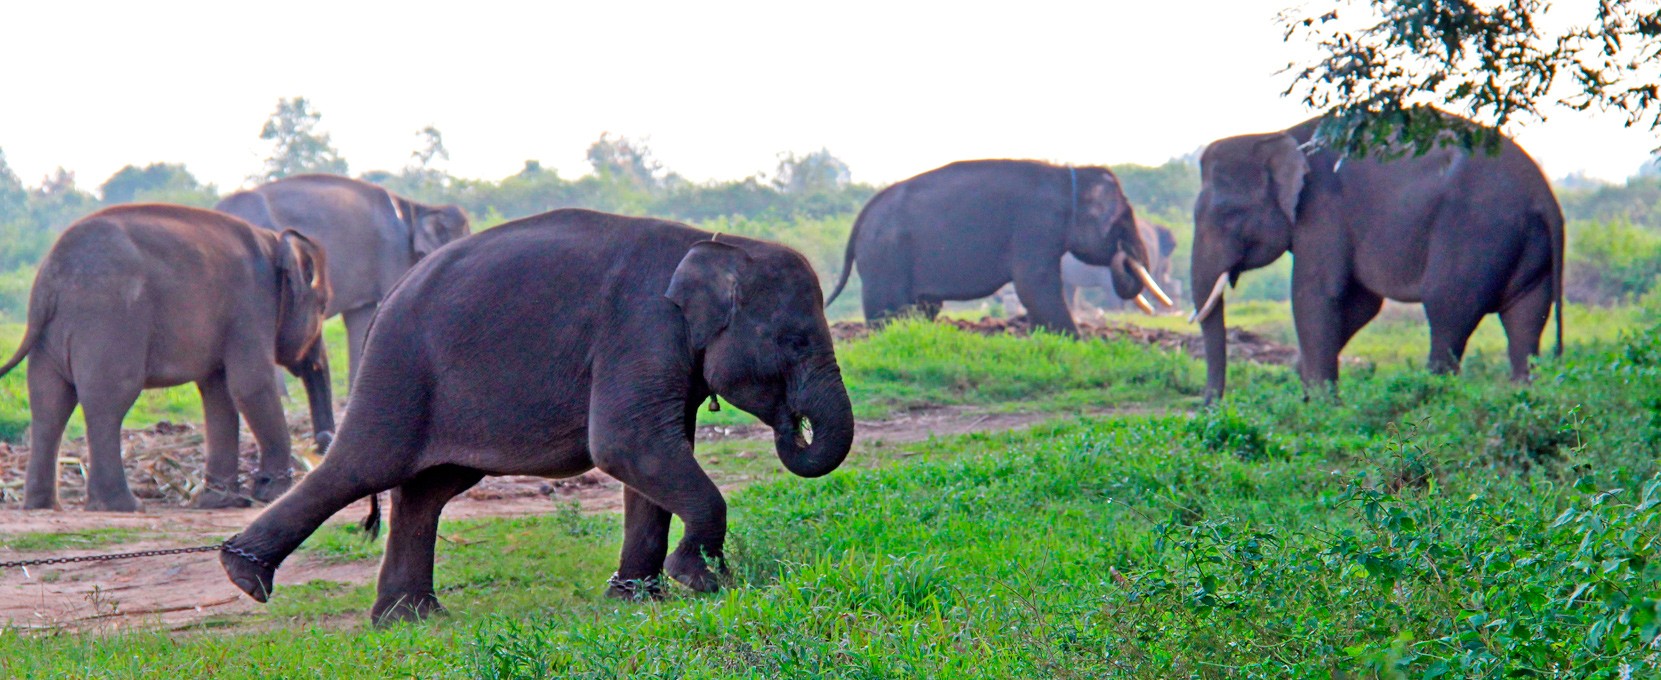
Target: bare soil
176,591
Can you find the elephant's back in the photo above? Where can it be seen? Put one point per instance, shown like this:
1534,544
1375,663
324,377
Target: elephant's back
203,247
575,271
321,205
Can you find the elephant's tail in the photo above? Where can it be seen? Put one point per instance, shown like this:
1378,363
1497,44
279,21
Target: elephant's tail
40,311
1552,215
848,254
372,523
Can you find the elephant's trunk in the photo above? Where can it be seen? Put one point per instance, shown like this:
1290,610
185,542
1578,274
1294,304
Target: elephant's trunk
314,373
816,431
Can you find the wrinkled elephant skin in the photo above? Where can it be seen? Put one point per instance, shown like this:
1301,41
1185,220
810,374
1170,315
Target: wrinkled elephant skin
140,296
559,343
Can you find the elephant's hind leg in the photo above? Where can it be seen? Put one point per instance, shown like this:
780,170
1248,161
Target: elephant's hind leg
1524,320
51,401
104,409
357,333
405,589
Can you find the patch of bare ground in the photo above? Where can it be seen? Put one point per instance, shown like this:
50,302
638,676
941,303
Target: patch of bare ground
176,592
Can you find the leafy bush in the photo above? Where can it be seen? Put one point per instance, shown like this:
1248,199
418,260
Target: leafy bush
1611,261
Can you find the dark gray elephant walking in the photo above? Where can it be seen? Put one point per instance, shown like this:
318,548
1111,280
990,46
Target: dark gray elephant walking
559,343
961,231
1468,233
143,295
372,236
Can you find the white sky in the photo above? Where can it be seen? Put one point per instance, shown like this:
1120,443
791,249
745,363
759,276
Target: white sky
719,88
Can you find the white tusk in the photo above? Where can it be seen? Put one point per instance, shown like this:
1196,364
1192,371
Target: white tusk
1142,304
1216,296
1147,280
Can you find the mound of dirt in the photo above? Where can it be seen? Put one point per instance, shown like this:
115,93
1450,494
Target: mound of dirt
1242,345
164,463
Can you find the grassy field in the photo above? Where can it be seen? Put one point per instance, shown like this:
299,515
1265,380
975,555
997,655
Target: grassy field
1421,527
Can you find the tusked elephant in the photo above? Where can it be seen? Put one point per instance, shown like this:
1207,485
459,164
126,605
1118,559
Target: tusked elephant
1466,232
962,231
147,295
372,236
1077,276
559,343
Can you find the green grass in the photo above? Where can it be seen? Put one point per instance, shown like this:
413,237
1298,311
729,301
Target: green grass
41,541
1420,526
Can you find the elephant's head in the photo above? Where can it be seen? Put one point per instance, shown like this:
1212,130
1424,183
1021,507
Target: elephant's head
1243,219
304,294
1104,233
756,318
433,226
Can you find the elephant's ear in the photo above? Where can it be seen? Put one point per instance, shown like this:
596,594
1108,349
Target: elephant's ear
304,265
426,231
705,287
1287,167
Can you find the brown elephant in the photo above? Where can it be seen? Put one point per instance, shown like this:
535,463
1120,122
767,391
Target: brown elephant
1467,232
559,343
372,236
147,295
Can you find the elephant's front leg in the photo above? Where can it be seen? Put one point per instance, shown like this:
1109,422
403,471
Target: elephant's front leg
221,489
1320,323
645,545
1040,291
405,589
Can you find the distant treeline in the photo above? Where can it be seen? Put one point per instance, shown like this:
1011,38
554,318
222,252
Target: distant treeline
808,202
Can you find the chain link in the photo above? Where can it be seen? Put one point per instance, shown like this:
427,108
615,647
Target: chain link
116,556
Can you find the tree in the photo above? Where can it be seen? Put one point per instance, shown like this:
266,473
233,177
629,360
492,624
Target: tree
626,160
14,199
158,182
432,149
1382,64
297,145
817,172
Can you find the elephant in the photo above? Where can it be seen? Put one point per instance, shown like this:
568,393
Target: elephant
962,231
1466,232
1077,276
372,235
149,295
555,344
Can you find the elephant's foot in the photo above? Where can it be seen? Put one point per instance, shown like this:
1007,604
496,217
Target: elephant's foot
254,578
41,502
404,608
124,501
634,589
215,497
693,571
268,487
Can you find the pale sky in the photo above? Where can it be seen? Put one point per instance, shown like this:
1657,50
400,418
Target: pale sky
719,89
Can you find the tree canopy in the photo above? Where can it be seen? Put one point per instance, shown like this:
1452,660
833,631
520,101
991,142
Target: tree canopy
297,146
1380,66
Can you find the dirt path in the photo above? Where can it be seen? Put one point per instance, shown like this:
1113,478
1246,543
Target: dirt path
177,591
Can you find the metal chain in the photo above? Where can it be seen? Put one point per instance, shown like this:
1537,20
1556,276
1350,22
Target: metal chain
222,547
117,556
